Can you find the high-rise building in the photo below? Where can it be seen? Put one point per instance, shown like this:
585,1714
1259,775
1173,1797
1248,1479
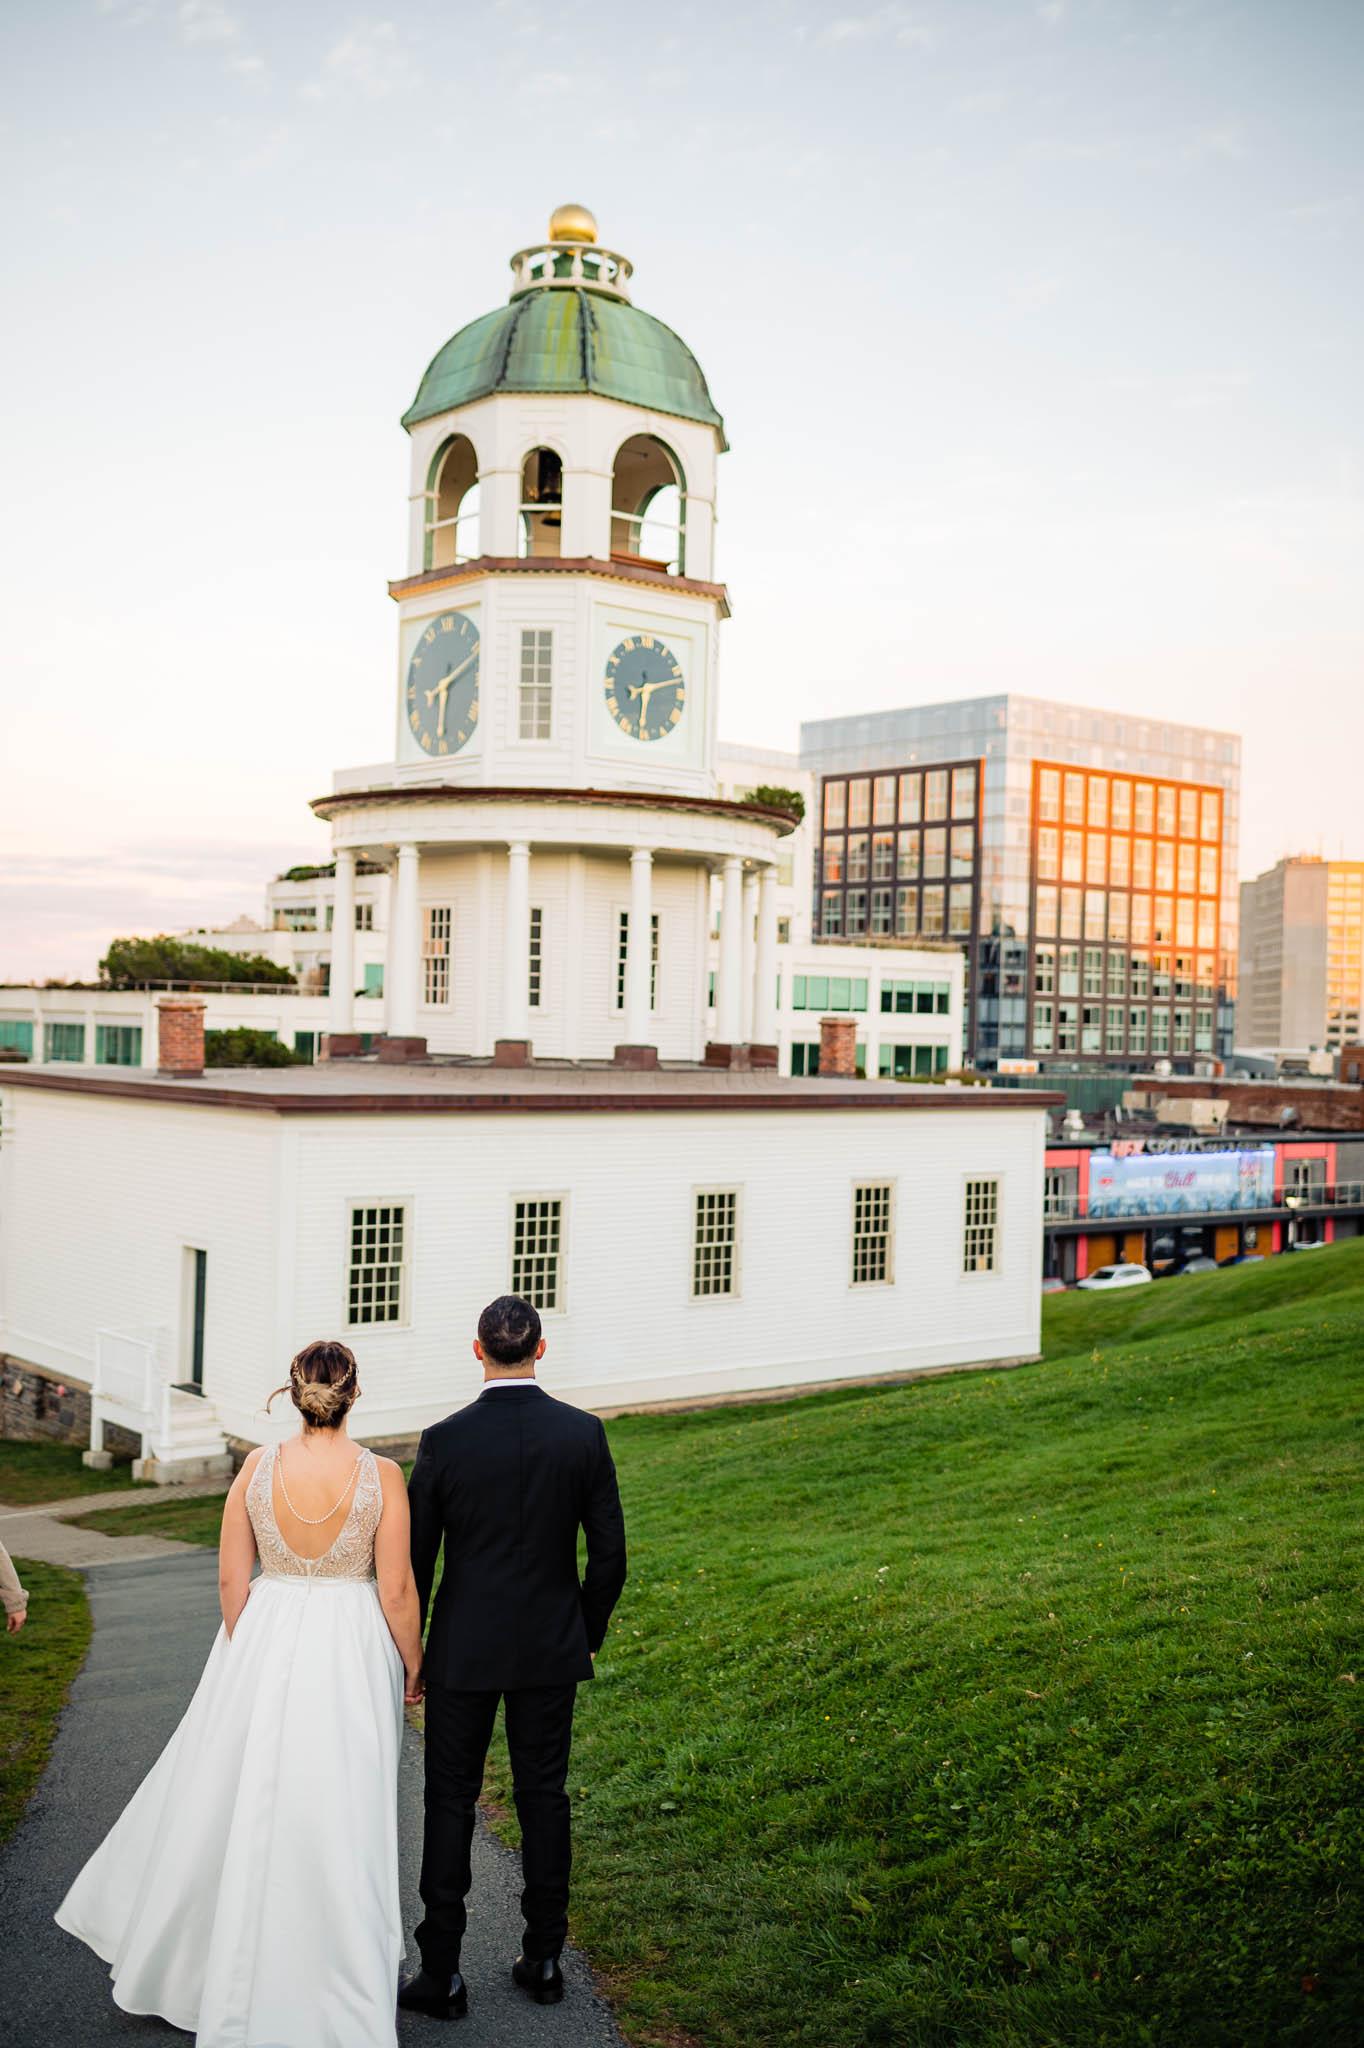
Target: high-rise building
1085,860
1302,954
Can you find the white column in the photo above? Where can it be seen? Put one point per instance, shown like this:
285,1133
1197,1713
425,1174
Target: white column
341,996
729,1021
639,948
402,975
765,960
747,952
516,944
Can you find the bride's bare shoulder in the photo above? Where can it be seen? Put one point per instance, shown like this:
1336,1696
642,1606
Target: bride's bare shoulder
247,1468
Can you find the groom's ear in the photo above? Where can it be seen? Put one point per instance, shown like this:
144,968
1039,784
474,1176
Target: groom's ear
540,1349
478,1351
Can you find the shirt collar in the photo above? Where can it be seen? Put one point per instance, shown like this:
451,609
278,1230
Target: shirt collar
497,1386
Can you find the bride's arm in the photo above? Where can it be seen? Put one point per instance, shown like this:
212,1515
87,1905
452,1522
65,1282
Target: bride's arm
393,1571
236,1548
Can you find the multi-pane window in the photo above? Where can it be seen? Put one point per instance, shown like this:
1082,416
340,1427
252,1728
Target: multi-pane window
364,917
436,954
118,1045
828,992
715,1242
920,998
873,1226
537,691
63,1041
16,1035
537,956
979,1246
374,1281
537,1250
623,954
859,857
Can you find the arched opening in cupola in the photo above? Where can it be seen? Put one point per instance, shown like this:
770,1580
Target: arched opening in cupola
649,505
542,504
452,504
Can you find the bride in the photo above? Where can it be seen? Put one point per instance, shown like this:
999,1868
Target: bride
249,1891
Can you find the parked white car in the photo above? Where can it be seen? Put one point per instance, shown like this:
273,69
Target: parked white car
1114,1276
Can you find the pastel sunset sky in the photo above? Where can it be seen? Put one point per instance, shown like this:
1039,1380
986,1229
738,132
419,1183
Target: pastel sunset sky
1036,328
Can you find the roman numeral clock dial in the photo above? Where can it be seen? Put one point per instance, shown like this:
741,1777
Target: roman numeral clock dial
442,684
645,692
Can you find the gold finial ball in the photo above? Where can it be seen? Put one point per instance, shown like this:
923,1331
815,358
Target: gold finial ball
572,224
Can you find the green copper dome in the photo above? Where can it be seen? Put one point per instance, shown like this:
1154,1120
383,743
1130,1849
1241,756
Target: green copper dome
568,338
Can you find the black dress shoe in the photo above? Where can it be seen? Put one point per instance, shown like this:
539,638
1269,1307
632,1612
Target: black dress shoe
543,1980
439,1997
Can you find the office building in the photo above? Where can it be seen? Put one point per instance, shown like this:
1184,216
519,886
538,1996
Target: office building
1085,862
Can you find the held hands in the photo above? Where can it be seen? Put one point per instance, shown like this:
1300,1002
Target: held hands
414,1688
14,1622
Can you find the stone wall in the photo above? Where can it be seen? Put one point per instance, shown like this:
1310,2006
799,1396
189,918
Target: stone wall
39,1407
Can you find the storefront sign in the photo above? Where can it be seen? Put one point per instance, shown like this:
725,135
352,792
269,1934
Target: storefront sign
1178,1183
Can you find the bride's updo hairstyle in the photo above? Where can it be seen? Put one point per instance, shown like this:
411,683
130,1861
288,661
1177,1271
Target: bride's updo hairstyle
323,1384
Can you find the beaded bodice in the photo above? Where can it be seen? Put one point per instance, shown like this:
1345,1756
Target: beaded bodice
351,1555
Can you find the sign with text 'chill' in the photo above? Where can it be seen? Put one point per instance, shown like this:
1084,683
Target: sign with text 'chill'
1171,1183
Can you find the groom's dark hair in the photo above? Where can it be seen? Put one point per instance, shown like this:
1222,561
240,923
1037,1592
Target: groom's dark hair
509,1330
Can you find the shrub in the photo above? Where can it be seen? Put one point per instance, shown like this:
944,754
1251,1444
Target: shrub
245,1047
131,962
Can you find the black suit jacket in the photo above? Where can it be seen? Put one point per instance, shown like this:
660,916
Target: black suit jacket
506,1484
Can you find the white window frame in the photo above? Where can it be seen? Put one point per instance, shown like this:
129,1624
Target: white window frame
540,682
732,1292
559,1195
535,958
891,1186
401,1202
622,956
437,955
995,1268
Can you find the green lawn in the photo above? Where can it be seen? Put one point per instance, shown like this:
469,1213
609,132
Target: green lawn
1011,1709
36,1670
188,1521
32,1473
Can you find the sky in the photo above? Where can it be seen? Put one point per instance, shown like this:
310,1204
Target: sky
1036,329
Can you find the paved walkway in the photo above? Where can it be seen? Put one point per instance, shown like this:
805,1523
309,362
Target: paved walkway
154,1622
43,1531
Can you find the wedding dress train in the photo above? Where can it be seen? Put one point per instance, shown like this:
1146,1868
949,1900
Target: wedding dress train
249,1891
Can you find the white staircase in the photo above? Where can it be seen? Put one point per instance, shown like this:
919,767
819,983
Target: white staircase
178,1427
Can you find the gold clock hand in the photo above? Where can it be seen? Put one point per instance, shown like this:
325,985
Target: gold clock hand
442,688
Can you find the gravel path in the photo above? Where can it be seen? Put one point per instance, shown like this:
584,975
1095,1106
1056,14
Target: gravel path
154,1622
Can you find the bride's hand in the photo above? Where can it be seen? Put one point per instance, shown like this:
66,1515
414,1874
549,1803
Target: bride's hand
413,1688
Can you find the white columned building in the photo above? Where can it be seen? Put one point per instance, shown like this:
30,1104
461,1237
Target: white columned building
551,814
539,855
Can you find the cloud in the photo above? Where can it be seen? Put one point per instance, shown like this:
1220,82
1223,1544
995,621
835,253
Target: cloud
1226,139
901,24
368,61
986,102
205,21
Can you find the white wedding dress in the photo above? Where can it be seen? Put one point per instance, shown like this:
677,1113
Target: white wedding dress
248,1893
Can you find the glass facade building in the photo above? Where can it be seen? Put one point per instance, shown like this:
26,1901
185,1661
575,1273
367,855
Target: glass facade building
1103,900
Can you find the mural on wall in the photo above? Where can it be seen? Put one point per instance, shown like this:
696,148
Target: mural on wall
1169,1183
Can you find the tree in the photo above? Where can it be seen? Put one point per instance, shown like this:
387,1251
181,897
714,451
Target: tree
130,963
245,1047
779,799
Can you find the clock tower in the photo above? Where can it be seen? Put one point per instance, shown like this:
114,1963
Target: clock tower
550,810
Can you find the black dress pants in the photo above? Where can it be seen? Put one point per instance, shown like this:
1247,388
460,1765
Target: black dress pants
459,1726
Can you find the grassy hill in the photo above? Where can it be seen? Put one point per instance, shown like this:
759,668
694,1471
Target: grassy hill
1015,1708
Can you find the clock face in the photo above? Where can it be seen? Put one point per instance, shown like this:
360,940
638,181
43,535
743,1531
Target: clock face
442,684
645,692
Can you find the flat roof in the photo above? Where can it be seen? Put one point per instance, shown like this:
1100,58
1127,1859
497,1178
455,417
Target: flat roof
367,1086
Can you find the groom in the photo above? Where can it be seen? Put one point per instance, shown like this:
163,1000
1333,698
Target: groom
506,1484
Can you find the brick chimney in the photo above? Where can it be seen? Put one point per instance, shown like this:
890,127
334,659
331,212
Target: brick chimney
838,1048
180,1035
